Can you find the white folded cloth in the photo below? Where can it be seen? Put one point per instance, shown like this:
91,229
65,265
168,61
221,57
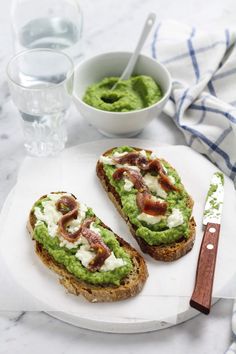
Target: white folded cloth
203,98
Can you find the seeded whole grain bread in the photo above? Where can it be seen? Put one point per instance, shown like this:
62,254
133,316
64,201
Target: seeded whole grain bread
166,253
129,287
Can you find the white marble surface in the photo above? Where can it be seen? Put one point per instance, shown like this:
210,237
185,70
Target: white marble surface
109,25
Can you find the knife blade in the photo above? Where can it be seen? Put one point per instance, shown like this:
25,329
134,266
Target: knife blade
202,293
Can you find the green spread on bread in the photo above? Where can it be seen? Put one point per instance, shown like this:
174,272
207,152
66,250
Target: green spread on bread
151,194
79,240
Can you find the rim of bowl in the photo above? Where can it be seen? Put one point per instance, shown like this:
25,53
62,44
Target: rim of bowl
69,74
74,96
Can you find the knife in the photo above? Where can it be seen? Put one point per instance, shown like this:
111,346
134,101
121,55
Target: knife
202,293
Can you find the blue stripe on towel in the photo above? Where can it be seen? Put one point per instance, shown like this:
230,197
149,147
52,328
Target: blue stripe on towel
229,116
213,146
227,44
197,51
223,135
193,54
203,111
180,104
224,74
233,175
227,36
211,88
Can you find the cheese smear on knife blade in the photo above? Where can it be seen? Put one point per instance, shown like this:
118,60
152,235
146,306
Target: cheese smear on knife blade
214,202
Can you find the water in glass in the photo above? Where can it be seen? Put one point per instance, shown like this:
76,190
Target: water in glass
55,33
41,84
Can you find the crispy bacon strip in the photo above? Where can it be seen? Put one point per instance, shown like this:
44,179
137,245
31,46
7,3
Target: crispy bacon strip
149,206
134,176
68,206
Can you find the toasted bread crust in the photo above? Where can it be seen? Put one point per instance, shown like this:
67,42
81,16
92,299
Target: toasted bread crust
130,286
166,253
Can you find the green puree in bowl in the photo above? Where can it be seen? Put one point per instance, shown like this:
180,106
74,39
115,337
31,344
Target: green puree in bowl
136,93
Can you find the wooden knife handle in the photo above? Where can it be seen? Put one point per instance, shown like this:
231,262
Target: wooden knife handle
201,297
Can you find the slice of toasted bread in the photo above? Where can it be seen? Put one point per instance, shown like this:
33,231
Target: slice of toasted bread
130,285
164,252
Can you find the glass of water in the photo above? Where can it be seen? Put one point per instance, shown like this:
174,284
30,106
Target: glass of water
53,24
41,84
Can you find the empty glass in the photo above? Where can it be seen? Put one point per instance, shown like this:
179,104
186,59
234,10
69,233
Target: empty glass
41,83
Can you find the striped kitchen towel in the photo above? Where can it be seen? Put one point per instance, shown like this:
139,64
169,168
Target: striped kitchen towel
203,98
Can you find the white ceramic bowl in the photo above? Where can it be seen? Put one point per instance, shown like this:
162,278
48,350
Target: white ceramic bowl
118,124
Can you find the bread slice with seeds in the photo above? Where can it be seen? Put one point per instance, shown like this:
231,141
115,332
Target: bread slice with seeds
129,286
162,252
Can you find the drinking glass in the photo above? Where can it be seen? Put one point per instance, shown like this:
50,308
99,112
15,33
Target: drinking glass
52,24
41,84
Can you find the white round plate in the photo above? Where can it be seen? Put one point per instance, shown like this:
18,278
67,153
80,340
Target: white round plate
164,300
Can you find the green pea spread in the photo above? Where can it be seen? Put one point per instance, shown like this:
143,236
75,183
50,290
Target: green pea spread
136,93
158,233
67,257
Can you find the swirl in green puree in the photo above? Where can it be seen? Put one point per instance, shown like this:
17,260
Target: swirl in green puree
136,93
158,233
67,258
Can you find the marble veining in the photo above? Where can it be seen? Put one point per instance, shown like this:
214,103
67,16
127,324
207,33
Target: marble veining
36,332
108,26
